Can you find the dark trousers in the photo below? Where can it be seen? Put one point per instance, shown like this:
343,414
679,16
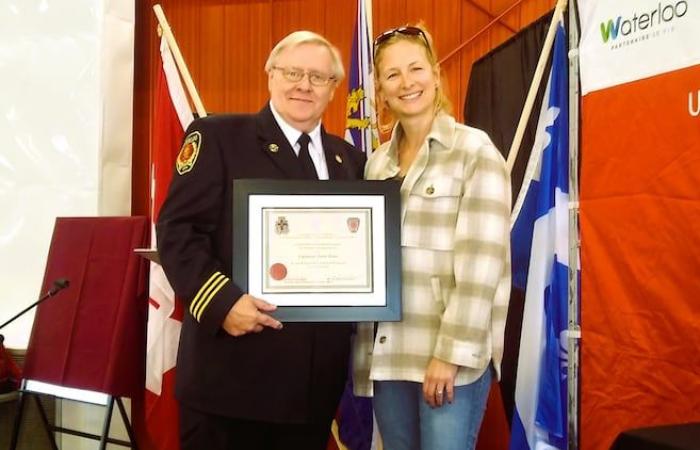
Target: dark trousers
202,431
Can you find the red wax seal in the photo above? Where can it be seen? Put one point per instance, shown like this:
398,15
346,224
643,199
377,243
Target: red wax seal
278,271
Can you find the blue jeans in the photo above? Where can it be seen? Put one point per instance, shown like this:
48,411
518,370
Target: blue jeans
407,422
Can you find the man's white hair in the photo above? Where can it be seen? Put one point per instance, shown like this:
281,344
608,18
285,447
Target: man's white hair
307,37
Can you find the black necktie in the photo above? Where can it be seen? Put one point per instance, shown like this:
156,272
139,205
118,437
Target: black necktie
307,165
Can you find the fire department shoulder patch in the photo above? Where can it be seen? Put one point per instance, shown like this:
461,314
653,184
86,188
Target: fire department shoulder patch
188,153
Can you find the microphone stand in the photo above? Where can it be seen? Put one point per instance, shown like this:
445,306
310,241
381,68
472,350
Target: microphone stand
11,383
58,285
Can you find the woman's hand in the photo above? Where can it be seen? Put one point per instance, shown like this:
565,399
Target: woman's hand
439,382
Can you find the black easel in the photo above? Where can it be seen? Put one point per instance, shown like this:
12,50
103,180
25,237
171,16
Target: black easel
51,429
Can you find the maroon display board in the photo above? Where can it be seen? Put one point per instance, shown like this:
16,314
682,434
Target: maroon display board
92,334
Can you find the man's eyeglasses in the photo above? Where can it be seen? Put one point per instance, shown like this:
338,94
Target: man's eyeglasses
296,75
406,31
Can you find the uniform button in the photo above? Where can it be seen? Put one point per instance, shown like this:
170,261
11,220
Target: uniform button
430,190
382,339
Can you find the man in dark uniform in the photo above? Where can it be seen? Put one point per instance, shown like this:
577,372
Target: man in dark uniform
244,380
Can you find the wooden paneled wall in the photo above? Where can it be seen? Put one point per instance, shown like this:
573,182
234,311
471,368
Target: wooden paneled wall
226,42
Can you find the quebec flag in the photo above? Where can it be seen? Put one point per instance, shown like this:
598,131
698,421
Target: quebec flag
361,121
540,245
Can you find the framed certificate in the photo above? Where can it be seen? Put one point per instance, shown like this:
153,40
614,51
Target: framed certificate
322,251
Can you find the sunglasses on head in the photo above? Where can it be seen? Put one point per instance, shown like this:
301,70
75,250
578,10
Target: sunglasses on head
406,31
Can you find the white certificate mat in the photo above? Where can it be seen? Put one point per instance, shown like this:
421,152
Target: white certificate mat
307,246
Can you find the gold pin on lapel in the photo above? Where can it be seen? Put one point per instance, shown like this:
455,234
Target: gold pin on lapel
339,159
274,148
430,190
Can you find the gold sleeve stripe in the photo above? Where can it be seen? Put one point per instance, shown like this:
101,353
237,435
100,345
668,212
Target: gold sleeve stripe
211,295
206,292
203,292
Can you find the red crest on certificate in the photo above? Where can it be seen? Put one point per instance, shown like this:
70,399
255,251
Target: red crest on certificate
353,224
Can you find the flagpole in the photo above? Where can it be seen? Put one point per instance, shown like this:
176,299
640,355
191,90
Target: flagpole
574,308
368,13
373,136
534,87
179,60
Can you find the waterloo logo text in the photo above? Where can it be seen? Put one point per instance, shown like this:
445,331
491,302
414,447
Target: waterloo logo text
642,26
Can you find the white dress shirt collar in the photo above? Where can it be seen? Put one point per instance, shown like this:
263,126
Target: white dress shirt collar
315,147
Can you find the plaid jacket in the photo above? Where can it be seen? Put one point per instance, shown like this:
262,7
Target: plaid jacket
455,240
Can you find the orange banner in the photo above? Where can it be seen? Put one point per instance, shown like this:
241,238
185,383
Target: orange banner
640,231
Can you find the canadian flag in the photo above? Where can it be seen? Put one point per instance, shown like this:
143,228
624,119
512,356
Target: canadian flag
172,116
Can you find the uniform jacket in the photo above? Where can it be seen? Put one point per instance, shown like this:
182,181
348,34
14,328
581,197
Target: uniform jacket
455,206
294,375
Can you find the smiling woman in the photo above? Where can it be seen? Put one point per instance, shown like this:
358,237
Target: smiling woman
430,373
413,56
408,83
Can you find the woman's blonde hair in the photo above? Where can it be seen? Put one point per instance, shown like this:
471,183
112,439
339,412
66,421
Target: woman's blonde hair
385,118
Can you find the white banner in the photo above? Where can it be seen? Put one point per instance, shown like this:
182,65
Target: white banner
66,71
116,102
628,40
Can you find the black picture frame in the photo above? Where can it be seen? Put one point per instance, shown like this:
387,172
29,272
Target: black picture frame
386,191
